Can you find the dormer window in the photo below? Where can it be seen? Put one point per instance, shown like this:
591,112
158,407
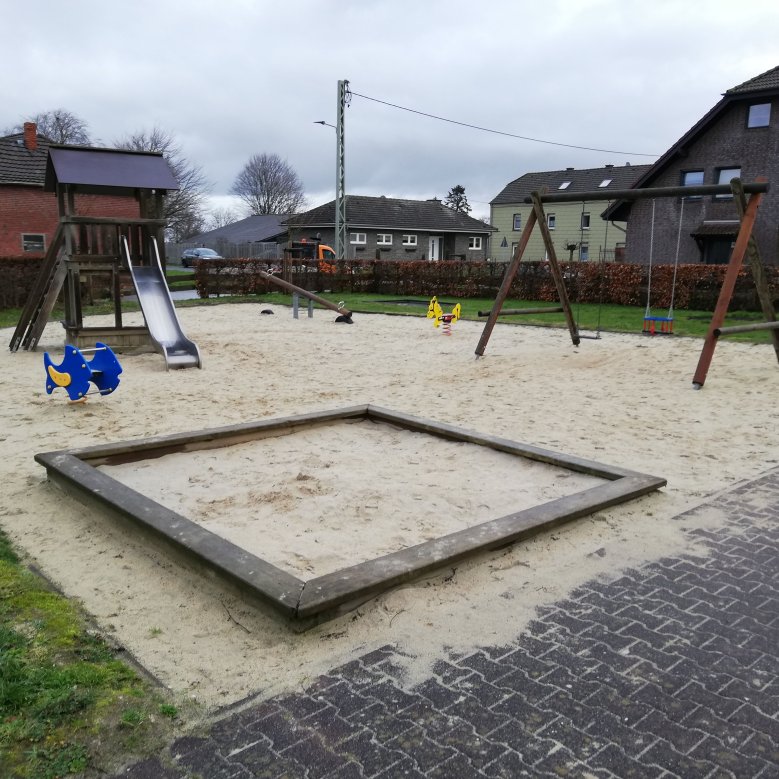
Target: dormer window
759,115
564,185
604,183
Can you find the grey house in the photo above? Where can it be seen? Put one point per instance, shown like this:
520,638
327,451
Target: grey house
737,138
388,228
260,235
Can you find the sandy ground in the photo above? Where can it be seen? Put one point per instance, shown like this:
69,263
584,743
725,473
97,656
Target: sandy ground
625,400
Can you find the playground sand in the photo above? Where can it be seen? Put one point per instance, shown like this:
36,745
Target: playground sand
623,400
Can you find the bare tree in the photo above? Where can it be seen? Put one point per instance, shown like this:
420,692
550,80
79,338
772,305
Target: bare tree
221,217
185,208
457,200
268,185
61,126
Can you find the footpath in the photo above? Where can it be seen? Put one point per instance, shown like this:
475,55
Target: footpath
672,670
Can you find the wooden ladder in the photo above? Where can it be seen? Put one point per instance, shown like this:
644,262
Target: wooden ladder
42,297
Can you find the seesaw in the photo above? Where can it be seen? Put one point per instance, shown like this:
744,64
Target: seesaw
74,373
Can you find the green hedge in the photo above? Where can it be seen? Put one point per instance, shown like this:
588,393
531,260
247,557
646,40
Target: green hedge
17,278
697,286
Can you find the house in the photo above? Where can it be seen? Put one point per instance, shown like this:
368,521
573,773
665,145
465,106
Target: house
28,215
256,236
578,230
393,229
737,138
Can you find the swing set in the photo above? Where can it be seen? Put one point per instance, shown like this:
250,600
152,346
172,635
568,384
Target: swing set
745,245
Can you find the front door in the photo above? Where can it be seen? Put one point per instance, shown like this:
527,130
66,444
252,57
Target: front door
435,248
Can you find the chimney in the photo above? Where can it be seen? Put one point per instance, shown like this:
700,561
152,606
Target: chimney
30,135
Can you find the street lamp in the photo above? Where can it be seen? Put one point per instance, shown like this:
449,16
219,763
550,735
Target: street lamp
326,124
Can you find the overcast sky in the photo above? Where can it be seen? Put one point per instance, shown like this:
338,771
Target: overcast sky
234,78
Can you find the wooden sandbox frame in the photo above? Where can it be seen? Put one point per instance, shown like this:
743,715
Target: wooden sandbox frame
304,603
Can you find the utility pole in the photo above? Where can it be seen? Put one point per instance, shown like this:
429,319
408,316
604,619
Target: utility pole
340,168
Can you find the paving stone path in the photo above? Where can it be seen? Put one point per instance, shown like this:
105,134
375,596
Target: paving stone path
669,671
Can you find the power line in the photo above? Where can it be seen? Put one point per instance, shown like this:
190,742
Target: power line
500,132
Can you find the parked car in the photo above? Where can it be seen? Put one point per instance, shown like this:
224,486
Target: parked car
189,256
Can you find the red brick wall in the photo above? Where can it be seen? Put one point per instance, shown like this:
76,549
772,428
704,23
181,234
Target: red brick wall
31,210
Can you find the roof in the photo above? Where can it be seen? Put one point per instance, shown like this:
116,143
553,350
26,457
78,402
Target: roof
766,84
583,180
20,165
725,229
258,228
91,169
392,214
767,80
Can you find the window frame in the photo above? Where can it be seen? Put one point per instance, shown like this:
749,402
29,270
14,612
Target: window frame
719,172
584,252
684,183
358,239
565,184
750,123
381,239
516,222
582,225
551,221
409,239
30,238
474,243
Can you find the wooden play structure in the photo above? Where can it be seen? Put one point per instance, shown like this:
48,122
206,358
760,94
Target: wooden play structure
88,250
745,245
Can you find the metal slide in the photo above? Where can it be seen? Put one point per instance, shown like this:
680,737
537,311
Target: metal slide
160,313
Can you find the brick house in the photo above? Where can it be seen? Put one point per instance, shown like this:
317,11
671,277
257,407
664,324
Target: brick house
577,229
737,138
28,215
393,229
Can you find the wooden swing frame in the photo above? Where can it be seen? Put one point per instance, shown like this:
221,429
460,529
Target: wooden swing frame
744,242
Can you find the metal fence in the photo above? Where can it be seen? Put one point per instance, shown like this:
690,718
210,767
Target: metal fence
253,250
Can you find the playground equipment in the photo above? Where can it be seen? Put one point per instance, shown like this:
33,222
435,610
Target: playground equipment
666,322
436,313
75,373
107,252
744,240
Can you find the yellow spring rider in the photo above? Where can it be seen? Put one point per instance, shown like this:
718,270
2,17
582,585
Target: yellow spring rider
436,313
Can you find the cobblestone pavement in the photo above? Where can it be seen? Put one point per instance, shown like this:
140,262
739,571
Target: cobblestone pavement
669,671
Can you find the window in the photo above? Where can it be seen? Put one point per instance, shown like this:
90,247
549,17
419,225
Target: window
585,221
550,221
584,252
692,178
564,185
604,183
409,240
514,247
759,115
474,242
33,242
517,222
357,238
724,175
384,239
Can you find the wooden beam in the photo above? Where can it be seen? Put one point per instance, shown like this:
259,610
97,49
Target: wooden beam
751,328
726,291
554,266
505,285
758,187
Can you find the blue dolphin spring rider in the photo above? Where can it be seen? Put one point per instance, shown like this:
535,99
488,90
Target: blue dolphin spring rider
75,373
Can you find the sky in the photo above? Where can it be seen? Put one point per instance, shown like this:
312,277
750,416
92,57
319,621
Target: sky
235,78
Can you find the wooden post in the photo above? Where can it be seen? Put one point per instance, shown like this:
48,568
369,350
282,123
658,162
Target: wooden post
505,285
756,264
554,265
726,291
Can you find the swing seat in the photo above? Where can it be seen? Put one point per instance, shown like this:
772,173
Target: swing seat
666,325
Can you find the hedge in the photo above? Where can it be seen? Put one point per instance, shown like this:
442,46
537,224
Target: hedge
696,287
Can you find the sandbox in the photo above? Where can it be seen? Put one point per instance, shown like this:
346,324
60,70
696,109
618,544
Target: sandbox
308,595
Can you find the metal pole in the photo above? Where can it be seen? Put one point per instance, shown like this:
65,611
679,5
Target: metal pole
340,168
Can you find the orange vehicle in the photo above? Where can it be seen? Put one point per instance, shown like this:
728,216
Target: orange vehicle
309,250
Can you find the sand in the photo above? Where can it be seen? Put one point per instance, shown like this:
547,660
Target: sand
625,400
